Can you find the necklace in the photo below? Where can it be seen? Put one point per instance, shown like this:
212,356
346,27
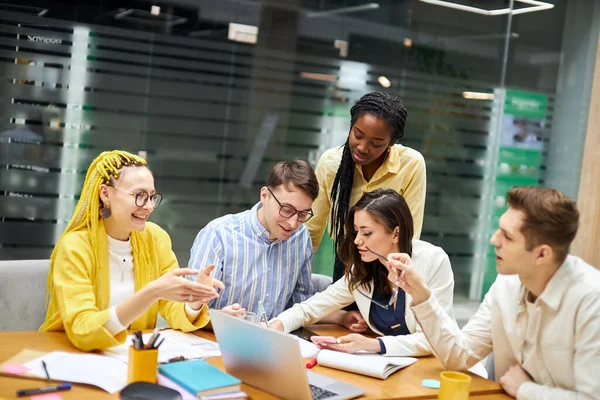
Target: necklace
123,268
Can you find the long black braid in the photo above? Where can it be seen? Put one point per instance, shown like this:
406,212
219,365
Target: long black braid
383,106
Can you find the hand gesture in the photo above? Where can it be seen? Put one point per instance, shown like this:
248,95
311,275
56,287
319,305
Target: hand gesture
354,321
205,278
401,270
173,286
352,343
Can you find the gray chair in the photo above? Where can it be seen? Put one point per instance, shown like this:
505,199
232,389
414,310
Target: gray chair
490,368
23,294
320,282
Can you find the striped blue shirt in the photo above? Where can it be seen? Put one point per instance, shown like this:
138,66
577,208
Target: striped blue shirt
251,266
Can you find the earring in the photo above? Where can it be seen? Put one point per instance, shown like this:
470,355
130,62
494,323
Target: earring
105,212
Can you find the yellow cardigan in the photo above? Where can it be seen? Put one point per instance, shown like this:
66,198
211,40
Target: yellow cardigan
79,302
403,171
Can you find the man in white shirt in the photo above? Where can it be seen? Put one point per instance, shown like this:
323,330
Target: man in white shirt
541,317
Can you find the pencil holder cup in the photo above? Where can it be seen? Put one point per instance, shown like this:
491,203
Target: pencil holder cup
142,365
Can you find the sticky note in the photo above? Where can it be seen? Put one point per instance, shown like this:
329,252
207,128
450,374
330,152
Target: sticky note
47,396
431,383
14,369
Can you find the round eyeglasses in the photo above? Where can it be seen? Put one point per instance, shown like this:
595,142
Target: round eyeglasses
141,198
288,211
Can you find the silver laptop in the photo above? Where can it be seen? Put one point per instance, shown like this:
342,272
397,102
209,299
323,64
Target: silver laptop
271,361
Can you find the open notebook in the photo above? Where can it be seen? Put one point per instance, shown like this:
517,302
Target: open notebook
364,363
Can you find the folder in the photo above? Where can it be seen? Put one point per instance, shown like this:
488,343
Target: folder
200,377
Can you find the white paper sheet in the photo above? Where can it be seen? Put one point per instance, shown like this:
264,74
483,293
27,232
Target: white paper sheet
210,348
308,349
104,372
169,348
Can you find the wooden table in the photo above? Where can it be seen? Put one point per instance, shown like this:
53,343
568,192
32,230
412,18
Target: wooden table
404,384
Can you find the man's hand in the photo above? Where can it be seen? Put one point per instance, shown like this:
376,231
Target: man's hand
352,343
402,270
235,310
354,321
513,379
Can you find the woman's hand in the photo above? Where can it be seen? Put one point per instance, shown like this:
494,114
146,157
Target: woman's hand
276,325
205,278
354,321
352,343
173,286
401,270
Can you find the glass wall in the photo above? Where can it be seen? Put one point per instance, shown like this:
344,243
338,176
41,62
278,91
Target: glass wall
214,92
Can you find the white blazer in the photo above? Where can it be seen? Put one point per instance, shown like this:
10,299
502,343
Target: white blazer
433,264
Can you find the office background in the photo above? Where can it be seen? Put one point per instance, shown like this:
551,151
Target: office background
214,92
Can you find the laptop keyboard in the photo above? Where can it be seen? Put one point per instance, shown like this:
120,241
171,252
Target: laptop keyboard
320,393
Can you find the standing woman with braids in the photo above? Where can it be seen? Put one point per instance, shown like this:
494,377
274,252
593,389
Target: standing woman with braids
370,159
112,270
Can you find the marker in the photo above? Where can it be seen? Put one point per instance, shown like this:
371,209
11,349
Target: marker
311,363
42,390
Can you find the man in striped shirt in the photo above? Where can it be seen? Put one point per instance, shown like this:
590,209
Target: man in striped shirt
265,253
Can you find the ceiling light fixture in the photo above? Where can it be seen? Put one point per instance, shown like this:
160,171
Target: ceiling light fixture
242,33
536,6
383,81
478,96
343,10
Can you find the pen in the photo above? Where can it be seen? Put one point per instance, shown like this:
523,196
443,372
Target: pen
159,343
152,339
311,363
261,309
42,390
46,370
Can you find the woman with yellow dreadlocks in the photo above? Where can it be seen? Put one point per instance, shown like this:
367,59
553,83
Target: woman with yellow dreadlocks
111,269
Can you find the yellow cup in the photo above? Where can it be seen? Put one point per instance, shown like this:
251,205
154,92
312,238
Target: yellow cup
454,386
142,366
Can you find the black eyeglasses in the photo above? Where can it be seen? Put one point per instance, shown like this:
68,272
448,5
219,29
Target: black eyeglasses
288,211
377,303
394,293
141,198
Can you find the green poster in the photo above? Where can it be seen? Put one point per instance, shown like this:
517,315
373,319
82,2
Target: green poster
519,157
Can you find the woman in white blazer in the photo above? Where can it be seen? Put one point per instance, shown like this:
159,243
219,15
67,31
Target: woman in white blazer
379,223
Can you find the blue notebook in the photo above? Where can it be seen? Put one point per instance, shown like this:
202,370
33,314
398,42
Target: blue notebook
199,377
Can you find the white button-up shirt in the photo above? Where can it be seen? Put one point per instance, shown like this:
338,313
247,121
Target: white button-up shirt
557,342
